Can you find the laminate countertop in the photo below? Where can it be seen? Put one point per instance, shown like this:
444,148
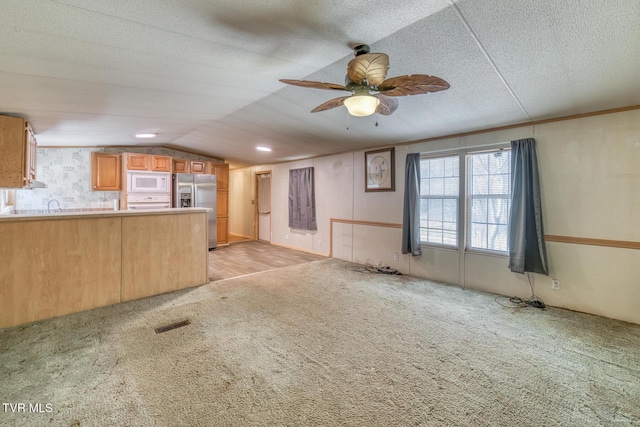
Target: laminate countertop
99,214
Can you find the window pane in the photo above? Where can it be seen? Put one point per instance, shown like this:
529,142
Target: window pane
451,186
436,168
497,237
451,166
478,210
499,162
436,186
424,169
498,211
479,164
479,184
478,234
489,197
450,210
439,215
499,184
424,186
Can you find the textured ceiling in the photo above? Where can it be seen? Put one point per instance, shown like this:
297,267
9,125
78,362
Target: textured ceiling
204,74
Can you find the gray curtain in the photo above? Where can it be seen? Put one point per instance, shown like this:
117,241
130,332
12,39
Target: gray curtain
302,201
264,193
526,235
411,207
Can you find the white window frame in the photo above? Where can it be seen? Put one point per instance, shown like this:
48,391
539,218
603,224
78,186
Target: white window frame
455,154
468,204
464,203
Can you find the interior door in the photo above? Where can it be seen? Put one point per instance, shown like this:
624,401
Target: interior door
264,206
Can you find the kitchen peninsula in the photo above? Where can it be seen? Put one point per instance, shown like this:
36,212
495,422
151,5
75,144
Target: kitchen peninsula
62,263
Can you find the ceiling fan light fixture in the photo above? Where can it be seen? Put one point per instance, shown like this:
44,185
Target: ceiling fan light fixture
361,105
145,135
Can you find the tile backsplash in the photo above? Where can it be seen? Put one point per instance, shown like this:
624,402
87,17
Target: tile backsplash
67,173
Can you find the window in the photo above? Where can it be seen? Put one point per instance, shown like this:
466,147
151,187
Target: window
439,189
489,200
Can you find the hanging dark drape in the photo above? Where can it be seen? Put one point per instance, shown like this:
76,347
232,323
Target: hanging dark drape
526,235
411,207
302,201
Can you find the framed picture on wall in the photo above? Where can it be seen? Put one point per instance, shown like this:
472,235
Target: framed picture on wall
379,170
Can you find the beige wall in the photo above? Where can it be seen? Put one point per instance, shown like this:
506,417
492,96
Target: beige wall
590,182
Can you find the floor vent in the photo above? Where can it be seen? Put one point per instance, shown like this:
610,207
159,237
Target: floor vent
172,326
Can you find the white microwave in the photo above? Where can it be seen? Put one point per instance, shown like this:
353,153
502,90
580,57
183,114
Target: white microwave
148,182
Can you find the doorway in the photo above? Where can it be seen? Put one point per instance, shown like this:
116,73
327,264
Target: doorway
262,213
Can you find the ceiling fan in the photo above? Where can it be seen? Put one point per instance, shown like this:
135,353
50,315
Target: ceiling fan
371,91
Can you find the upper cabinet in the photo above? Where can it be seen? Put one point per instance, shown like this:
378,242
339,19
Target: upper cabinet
221,170
161,163
146,162
197,166
135,161
18,148
181,166
105,172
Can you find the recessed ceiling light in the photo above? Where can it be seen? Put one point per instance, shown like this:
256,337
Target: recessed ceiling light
145,135
261,148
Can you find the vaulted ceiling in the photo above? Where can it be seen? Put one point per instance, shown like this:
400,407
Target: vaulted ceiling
204,75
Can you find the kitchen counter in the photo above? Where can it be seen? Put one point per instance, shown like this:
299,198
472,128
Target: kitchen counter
99,214
60,263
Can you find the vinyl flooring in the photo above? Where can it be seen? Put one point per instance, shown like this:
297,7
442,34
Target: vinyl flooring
245,257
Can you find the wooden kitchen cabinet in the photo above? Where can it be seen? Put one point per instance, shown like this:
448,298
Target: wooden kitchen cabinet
181,166
221,170
222,181
223,231
197,166
135,161
32,147
222,204
161,163
18,147
105,172
146,162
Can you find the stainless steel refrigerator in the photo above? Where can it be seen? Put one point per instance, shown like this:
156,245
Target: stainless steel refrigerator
197,191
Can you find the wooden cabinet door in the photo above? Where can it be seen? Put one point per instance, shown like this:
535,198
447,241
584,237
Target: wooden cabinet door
105,172
32,146
222,173
208,168
161,163
137,162
13,152
223,227
222,204
197,166
181,166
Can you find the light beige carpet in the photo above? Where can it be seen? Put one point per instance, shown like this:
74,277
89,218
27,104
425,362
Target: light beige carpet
319,344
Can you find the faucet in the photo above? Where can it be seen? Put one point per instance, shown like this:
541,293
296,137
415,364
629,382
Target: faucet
59,209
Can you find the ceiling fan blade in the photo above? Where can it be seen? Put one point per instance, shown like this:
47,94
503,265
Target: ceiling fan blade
387,105
414,84
314,85
332,103
370,66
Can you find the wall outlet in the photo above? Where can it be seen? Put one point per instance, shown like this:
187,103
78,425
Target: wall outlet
286,237
320,242
396,257
555,284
